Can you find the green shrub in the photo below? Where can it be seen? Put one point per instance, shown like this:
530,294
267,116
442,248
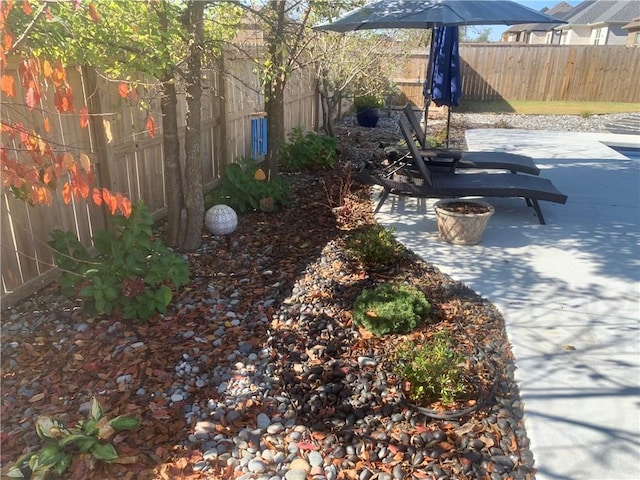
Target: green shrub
132,273
308,151
364,102
390,308
375,247
242,191
89,437
433,369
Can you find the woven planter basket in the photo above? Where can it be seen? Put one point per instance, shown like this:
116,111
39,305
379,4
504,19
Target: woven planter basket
462,228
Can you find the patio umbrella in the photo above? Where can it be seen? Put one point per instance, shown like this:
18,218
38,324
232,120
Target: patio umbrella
426,14
445,87
433,13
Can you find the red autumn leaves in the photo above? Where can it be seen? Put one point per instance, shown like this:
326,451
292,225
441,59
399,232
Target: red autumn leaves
31,167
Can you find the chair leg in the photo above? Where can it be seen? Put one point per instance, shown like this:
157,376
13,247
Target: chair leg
383,197
536,207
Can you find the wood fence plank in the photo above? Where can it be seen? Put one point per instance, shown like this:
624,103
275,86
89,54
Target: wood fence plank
127,160
543,72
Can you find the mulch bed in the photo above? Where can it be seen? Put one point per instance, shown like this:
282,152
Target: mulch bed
52,367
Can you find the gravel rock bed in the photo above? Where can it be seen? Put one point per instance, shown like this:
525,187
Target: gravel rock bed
566,123
257,371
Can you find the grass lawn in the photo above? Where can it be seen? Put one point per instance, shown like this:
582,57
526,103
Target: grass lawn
546,107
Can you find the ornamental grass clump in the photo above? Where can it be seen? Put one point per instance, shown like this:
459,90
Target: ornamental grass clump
434,370
390,308
375,247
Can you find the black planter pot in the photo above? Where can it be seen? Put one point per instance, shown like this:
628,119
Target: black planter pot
368,117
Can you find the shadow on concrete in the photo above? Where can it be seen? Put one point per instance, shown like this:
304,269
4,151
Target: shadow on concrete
569,292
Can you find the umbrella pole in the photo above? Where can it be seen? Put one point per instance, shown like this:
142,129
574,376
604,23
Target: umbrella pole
427,101
448,123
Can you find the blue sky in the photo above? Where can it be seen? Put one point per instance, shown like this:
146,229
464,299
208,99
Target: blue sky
536,5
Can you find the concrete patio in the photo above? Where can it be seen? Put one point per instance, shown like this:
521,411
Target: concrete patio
569,292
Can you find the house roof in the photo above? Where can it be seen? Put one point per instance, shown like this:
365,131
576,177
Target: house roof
633,26
603,11
559,11
585,13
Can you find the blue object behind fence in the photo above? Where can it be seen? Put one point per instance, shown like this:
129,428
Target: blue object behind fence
259,136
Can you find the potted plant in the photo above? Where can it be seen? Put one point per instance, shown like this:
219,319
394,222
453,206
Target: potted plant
462,222
368,110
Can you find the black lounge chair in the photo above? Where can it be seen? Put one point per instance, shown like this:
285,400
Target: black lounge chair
451,158
424,183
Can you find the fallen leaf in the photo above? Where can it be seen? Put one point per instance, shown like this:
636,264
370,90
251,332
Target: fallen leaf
306,446
37,397
107,130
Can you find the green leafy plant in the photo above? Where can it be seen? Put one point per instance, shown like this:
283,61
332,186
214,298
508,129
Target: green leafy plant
132,273
308,151
390,308
243,190
375,247
363,102
586,113
433,369
90,439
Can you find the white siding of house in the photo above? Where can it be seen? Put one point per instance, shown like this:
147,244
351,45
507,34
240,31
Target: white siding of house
617,35
538,38
576,36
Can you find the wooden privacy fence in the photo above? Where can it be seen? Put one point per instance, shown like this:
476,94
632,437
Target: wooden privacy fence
126,158
597,73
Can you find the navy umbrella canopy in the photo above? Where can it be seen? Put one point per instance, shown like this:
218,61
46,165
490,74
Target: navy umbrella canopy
445,87
446,80
434,13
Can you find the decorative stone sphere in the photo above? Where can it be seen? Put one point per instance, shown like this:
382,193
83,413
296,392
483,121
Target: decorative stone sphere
221,220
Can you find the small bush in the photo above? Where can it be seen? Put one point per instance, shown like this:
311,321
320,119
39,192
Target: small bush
586,114
375,247
306,151
364,102
242,191
433,369
390,308
132,273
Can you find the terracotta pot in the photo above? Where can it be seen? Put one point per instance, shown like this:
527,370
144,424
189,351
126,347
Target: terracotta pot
462,222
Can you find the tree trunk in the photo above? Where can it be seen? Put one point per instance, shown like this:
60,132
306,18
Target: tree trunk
173,171
329,112
194,197
326,127
274,87
275,125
